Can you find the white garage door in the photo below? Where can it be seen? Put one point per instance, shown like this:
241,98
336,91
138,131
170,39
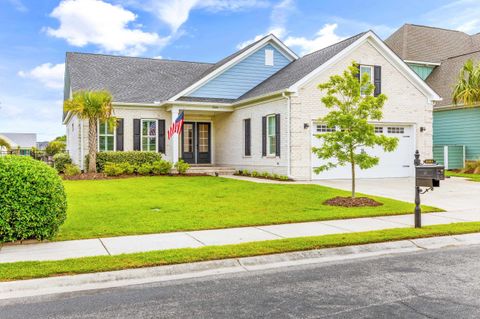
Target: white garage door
398,163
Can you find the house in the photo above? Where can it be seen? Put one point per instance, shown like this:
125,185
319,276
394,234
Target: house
437,55
21,143
256,109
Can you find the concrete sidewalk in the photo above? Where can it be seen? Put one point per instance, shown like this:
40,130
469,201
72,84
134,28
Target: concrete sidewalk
193,239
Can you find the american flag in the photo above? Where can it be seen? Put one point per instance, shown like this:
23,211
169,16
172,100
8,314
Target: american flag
176,126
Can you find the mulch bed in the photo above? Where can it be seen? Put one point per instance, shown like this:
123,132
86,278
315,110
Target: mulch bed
94,176
352,202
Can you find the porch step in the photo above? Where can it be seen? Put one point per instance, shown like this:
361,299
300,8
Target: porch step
211,170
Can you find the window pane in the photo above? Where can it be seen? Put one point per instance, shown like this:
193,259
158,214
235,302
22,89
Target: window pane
101,145
271,125
152,125
145,128
151,142
109,129
102,128
110,141
272,145
144,143
188,138
203,138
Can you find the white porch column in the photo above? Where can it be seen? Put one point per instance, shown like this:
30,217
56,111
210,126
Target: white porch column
174,137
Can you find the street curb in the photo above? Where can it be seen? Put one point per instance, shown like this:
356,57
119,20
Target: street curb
120,278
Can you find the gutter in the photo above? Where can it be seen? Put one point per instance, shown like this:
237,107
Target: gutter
289,151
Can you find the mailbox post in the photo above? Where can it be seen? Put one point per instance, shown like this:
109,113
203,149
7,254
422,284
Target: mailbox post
428,175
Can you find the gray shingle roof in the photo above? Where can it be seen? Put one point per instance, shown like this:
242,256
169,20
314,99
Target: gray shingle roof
130,79
24,140
430,44
298,69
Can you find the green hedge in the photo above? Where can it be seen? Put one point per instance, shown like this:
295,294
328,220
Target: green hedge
135,158
60,160
32,199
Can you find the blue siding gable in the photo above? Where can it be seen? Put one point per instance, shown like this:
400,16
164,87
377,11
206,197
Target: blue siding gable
243,76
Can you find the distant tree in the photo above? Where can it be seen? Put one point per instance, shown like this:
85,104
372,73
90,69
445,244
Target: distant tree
467,88
55,147
62,138
93,106
4,144
350,114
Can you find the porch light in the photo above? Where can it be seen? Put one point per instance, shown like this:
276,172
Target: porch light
305,125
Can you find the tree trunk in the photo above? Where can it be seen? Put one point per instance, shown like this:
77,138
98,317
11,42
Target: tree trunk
92,145
352,161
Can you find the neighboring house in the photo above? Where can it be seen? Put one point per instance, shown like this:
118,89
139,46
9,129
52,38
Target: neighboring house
437,55
41,146
257,109
20,142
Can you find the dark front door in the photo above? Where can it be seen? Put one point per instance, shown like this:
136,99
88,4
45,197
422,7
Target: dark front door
196,143
203,143
188,142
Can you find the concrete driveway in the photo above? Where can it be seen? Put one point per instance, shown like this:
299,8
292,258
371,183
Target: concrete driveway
454,194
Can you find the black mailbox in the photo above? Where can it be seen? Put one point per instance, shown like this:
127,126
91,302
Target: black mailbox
429,175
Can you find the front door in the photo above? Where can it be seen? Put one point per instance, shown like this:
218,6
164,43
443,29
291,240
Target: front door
196,143
203,143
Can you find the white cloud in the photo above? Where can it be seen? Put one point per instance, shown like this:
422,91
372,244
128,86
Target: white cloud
84,22
18,5
50,75
324,37
158,57
462,15
278,19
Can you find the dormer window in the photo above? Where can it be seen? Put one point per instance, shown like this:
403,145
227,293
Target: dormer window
269,57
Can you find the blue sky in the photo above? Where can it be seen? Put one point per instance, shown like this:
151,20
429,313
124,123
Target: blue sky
35,35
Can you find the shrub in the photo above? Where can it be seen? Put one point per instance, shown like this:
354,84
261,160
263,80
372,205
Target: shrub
245,172
182,167
284,178
276,176
127,168
32,197
113,169
72,170
145,169
136,158
60,160
266,175
255,174
162,167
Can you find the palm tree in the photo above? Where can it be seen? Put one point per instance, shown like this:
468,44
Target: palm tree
4,144
467,89
93,106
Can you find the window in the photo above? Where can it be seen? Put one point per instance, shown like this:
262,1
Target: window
271,136
378,129
322,128
106,137
269,57
366,69
247,139
396,130
149,135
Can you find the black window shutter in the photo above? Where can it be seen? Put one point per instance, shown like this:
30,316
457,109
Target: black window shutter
377,79
277,134
161,136
119,132
264,136
136,134
247,137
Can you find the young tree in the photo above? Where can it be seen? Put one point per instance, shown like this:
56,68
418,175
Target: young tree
93,106
467,89
352,106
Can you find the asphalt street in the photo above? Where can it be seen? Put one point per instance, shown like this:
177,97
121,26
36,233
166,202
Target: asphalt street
442,283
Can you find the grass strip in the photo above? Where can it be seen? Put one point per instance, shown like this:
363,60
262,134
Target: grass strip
470,177
38,269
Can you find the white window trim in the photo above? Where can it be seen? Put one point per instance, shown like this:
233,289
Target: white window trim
274,154
142,136
114,138
269,57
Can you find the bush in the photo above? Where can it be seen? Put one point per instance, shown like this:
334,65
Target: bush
135,158
32,197
162,167
255,174
182,167
72,170
266,175
145,169
127,168
245,172
113,169
55,147
284,178
60,160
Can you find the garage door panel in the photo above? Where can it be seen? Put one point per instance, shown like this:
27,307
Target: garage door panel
398,163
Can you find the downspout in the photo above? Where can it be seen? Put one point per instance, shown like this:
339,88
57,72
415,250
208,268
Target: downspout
82,157
289,151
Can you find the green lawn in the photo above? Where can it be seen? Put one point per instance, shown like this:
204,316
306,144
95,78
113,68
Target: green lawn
37,269
116,207
471,177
